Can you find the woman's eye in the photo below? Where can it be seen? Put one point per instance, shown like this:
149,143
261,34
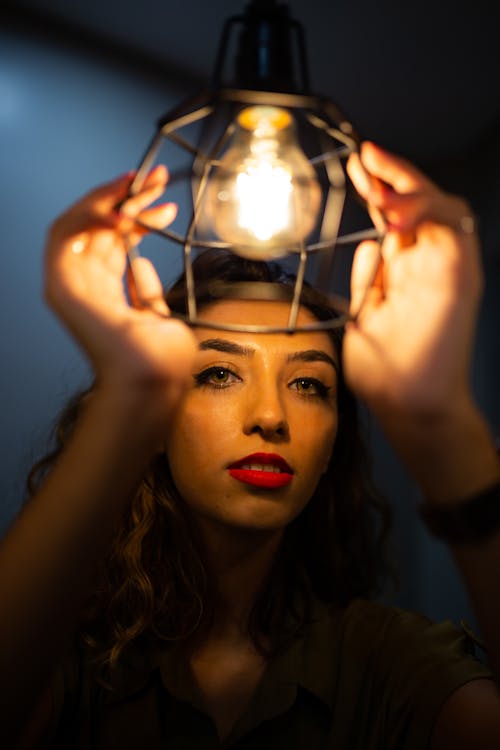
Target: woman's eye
218,377
310,387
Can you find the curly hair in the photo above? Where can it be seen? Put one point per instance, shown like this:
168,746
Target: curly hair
154,582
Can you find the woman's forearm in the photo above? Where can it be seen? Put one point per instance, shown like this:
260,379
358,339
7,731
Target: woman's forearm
48,558
451,453
141,361
408,355
454,459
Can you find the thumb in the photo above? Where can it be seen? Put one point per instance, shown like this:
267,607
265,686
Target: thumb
144,286
366,277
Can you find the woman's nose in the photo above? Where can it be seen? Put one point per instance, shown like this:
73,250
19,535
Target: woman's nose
265,414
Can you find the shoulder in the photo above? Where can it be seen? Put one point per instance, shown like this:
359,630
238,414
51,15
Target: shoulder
469,719
433,667
395,628
402,644
82,690
415,680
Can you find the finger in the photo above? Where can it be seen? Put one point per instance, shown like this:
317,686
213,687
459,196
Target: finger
359,176
137,207
156,177
144,286
403,209
107,197
103,199
395,171
119,185
366,277
159,216
76,230
97,208
133,206
405,213
157,174
365,185
84,215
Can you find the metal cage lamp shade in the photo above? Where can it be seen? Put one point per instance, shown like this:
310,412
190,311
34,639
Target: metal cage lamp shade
267,166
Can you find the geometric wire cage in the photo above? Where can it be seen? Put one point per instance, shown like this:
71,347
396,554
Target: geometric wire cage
326,138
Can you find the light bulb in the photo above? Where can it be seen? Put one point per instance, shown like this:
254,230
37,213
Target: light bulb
263,196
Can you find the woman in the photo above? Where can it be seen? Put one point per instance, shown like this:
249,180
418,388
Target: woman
248,441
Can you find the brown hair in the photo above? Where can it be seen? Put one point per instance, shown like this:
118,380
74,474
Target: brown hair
154,582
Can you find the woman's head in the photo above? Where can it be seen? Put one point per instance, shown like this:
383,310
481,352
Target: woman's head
264,401
255,429
283,395
257,402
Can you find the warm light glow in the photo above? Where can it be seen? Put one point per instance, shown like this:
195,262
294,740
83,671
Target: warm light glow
263,197
263,192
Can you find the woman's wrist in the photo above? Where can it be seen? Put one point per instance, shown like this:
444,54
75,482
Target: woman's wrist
474,520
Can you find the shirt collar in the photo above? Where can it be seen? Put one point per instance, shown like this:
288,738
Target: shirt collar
307,662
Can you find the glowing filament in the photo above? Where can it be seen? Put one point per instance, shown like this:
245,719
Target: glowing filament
264,193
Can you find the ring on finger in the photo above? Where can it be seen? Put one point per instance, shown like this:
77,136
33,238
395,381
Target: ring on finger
466,224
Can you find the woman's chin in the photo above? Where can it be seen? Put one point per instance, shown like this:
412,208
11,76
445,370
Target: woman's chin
250,520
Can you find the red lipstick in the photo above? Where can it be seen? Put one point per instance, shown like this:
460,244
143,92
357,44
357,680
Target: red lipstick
266,470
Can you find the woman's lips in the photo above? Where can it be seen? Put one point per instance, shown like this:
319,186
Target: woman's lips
262,470
258,478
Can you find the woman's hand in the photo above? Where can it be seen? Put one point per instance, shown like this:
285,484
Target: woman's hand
411,345
85,284
408,354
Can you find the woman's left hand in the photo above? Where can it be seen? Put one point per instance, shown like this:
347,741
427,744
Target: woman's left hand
410,347
408,353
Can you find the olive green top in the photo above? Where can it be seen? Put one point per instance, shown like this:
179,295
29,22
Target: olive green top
365,677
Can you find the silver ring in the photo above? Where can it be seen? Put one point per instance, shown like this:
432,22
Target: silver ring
466,224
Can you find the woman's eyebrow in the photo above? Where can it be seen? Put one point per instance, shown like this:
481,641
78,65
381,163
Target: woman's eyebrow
223,345
230,347
313,355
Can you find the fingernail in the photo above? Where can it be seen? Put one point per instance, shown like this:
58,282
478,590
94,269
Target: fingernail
160,168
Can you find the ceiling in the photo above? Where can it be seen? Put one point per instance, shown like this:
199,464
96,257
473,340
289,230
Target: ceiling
421,78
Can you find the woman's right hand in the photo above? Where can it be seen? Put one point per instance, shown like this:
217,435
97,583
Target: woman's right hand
85,284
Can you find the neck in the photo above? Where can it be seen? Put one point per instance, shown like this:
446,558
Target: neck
239,562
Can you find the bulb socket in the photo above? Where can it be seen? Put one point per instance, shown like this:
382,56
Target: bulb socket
265,60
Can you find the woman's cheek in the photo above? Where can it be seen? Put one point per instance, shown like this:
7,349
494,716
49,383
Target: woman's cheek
326,447
201,434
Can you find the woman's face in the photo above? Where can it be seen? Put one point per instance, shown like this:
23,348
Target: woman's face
255,430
